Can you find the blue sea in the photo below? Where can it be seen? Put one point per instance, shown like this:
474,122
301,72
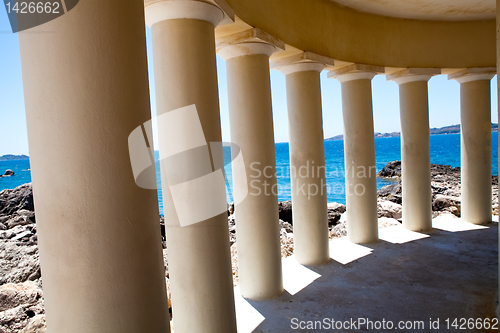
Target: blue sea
445,149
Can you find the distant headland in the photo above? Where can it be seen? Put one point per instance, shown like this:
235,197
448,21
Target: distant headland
13,157
453,129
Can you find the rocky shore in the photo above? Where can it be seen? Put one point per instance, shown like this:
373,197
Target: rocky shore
21,297
445,185
21,301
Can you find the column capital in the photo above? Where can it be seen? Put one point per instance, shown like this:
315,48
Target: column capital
356,72
413,75
304,61
473,74
248,42
213,11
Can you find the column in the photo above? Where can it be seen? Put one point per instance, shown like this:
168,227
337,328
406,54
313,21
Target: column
415,151
86,89
359,151
475,143
185,74
251,120
307,161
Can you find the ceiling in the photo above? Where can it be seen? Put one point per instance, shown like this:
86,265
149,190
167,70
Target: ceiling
449,10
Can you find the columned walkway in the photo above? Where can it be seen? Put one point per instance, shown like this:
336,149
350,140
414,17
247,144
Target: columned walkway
86,90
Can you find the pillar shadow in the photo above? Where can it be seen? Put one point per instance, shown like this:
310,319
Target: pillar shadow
446,275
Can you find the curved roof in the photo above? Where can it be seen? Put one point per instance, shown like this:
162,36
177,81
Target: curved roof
454,10
329,29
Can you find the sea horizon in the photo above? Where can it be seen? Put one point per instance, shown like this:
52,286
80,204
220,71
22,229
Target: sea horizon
444,149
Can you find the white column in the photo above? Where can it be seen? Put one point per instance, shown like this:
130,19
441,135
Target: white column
307,162
86,89
185,74
251,121
475,133
359,152
415,151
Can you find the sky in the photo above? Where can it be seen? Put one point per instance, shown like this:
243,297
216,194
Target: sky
444,99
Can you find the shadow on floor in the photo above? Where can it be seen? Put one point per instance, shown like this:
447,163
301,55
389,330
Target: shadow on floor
450,272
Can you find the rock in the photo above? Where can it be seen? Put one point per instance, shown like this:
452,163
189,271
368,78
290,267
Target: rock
231,208
389,209
390,170
15,294
19,262
391,192
25,234
163,232
165,262
287,246
169,294
232,229
19,303
9,172
37,324
340,229
6,234
444,215
285,211
442,201
286,226
336,207
445,187
231,223
334,211
20,198
387,222
453,210
15,221
28,215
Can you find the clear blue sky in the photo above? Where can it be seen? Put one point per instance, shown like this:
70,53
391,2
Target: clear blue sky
444,99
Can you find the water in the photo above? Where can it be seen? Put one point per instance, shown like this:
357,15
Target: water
22,175
445,149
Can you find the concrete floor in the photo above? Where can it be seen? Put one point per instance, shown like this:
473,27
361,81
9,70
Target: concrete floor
450,272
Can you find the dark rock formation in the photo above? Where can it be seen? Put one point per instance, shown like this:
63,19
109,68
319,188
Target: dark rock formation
334,211
286,227
392,169
163,232
232,229
19,198
391,192
285,211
